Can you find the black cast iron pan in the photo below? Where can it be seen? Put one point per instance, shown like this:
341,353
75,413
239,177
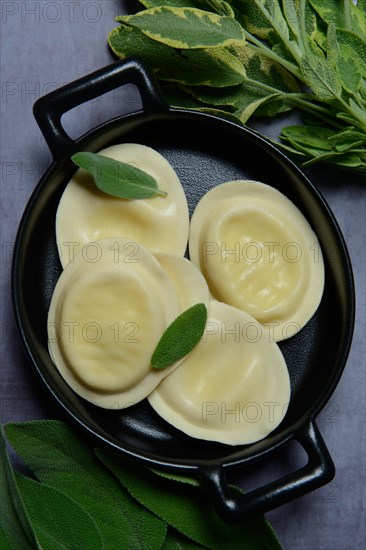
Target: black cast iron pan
205,151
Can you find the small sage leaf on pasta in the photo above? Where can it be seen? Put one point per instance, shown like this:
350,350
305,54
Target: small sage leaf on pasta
181,337
116,178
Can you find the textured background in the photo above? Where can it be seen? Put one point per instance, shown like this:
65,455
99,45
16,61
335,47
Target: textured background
45,44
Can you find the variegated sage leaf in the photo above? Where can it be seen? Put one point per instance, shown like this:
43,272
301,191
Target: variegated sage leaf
176,97
243,100
207,67
252,19
221,7
217,6
172,3
260,68
186,28
253,107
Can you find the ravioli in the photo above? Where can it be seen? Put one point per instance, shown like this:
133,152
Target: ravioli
188,281
258,253
233,388
108,314
86,214
105,320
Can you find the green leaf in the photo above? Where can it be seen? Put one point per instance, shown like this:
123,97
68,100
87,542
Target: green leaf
117,178
59,458
171,3
185,28
181,337
361,113
15,523
353,46
330,11
59,522
263,70
350,160
210,67
4,543
253,19
255,106
175,541
176,477
221,7
308,137
187,511
290,10
348,135
344,62
343,14
321,77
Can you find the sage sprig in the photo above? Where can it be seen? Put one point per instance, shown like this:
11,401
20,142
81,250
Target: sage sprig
308,55
88,498
117,178
181,337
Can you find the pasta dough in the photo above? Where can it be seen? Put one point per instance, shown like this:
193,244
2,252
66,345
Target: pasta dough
233,388
107,316
258,253
86,214
105,320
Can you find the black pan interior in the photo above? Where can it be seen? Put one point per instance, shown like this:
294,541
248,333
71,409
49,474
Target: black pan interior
204,152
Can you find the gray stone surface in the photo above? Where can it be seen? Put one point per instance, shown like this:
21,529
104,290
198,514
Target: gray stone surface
45,44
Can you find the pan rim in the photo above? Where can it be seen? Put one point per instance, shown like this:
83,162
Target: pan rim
138,455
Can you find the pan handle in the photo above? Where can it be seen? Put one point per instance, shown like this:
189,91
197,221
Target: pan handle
49,109
232,506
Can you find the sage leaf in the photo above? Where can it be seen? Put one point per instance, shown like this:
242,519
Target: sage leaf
255,107
59,522
4,543
330,11
320,43
176,97
187,511
312,136
15,524
353,46
242,100
344,60
185,28
116,178
221,7
320,76
176,477
175,541
171,3
343,14
209,67
290,10
181,337
253,19
265,71
59,458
